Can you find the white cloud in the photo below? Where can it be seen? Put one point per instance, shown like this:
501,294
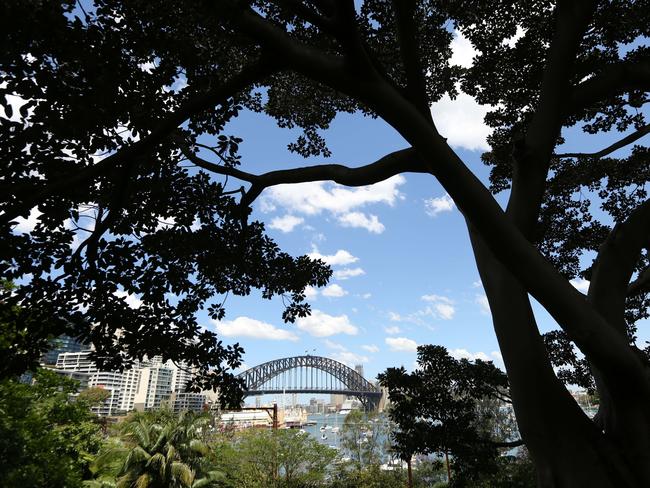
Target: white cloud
334,291
320,324
436,298
462,51
343,355
267,206
16,104
465,354
339,258
496,356
581,285
311,292
286,223
434,206
359,219
149,66
26,226
445,311
349,358
344,274
370,348
131,300
312,198
482,301
442,307
366,295
401,344
248,327
395,317
335,345
461,122
392,330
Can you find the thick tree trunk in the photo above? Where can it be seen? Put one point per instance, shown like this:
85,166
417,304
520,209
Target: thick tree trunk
567,448
624,413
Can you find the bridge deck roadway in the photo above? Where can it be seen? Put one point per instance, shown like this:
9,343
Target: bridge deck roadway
314,390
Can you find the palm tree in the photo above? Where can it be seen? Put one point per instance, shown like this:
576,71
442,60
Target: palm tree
151,454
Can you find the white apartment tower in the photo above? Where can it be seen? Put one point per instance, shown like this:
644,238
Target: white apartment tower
143,387
155,386
109,381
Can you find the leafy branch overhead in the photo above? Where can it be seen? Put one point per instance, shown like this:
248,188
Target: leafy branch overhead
114,137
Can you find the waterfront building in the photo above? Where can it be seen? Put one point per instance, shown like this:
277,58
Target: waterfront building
71,363
60,345
182,401
76,361
337,400
146,386
155,385
81,378
130,385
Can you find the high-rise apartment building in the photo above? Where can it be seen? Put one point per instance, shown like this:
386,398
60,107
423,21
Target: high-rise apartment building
146,386
155,386
80,362
60,345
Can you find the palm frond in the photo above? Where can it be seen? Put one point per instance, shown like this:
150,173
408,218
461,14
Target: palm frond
158,463
182,473
199,447
139,431
100,483
213,478
163,437
136,456
110,459
172,454
143,481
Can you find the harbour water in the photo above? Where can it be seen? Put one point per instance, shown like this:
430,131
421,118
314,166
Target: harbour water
331,423
332,428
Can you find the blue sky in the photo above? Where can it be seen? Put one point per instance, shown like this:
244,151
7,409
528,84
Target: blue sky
404,273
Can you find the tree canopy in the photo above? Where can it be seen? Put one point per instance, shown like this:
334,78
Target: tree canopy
451,407
46,439
105,102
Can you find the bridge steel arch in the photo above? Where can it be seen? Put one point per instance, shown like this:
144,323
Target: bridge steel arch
355,384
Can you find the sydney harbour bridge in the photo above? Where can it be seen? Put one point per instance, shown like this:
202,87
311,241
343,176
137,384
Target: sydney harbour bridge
309,374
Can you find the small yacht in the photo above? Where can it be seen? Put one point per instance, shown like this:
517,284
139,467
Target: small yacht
323,437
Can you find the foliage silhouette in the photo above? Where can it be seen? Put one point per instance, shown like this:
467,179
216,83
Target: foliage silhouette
450,407
117,94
